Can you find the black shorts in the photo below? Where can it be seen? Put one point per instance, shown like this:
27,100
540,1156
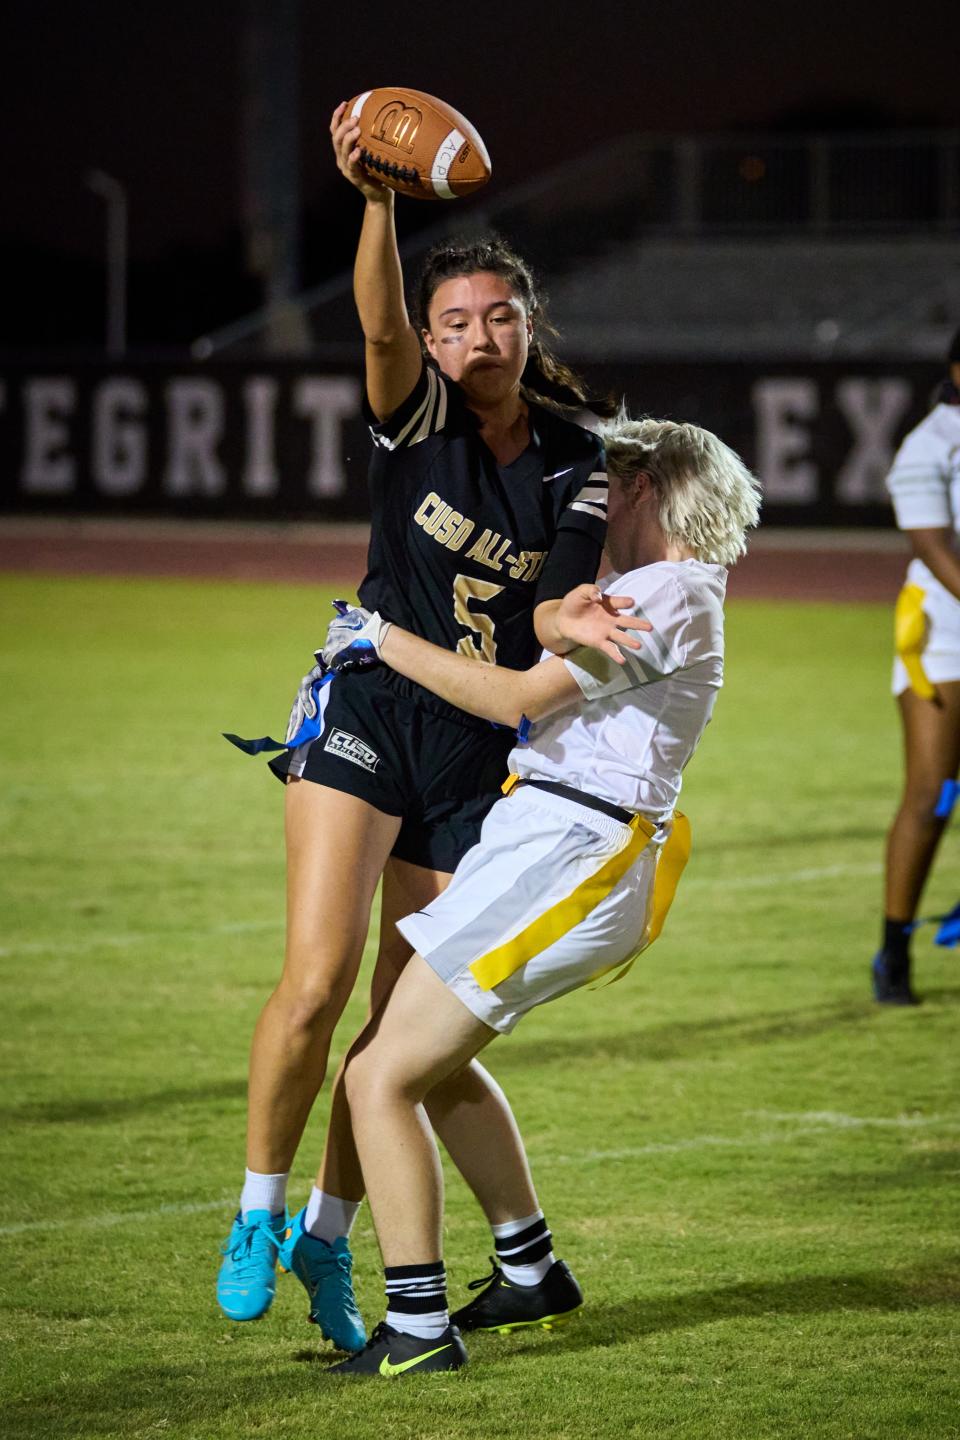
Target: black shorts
407,753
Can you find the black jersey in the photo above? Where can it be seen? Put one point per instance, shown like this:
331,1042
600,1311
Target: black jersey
462,548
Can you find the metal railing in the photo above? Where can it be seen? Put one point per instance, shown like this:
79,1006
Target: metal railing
790,186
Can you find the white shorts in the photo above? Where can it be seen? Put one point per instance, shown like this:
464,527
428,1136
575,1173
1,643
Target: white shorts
939,656
553,895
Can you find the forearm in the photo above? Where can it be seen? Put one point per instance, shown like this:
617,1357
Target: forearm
377,275
490,691
935,548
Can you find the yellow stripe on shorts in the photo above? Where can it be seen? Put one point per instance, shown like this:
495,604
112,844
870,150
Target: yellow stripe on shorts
910,636
491,969
671,863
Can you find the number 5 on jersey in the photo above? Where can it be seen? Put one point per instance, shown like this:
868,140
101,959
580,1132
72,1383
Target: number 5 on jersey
480,644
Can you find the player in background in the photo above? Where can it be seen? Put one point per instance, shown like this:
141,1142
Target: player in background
568,880
924,485
487,507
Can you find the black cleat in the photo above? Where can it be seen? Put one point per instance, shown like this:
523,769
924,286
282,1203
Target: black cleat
891,980
391,1352
503,1306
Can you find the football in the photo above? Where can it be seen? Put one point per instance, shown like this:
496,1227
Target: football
418,145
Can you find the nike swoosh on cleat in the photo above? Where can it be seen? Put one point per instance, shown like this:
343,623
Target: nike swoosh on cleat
387,1369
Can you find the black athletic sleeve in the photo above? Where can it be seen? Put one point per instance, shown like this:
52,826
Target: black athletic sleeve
423,413
574,557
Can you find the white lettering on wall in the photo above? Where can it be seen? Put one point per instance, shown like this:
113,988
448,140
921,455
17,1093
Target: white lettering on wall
195,412
783,440
872,408
48,466
119,447
260,475
326,400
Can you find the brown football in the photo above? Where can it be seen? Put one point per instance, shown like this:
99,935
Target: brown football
418,145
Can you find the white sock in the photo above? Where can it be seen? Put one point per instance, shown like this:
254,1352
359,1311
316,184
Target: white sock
410,1289
523,1249
425,1327
264,1192
329,1217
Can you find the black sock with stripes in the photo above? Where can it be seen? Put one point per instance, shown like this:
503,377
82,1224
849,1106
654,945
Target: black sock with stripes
524,1249
417,1299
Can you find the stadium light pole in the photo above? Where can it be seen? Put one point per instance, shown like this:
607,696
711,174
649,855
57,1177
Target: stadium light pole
114,195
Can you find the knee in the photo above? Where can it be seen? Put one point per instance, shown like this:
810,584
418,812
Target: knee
922,801
362,1077
310,1004
374,1079
391,958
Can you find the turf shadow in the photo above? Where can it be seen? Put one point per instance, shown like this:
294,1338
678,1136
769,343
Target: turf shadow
79,1109
927,1171
681,1039
598,1326
149,1397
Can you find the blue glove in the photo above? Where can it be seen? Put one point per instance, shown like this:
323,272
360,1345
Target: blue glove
949,932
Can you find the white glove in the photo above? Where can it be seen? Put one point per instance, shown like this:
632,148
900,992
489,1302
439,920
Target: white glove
305,706
354,640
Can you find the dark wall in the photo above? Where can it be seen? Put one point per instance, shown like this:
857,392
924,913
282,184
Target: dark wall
288,440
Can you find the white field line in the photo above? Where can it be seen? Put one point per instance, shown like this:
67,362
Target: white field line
834,1120
790,877
130,1217
820,1123
813,1123
131,940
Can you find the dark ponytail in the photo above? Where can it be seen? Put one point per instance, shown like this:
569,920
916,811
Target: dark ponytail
545,379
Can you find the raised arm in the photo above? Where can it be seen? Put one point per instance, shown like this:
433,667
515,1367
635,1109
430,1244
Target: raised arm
393,357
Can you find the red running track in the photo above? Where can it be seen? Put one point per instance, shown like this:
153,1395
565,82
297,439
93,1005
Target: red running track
782,565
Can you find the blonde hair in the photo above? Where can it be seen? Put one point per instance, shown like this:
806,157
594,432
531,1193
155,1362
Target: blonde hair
708,497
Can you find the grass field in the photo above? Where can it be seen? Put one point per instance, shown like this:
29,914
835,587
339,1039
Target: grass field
752,1168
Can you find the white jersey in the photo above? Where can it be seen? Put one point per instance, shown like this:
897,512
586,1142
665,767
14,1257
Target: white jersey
924,483
638,724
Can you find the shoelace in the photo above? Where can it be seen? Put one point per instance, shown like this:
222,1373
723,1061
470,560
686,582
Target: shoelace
495,1273
337,1268
345,1276
334,1261
242,1252
374,1340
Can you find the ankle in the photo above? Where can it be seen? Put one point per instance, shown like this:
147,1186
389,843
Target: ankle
524,1249
896,938
264,1192
417,1299
328,1217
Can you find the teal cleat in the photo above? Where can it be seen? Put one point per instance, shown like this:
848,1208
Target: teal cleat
247,1281
324,1271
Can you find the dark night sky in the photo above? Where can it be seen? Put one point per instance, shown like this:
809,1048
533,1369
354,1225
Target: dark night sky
150,92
